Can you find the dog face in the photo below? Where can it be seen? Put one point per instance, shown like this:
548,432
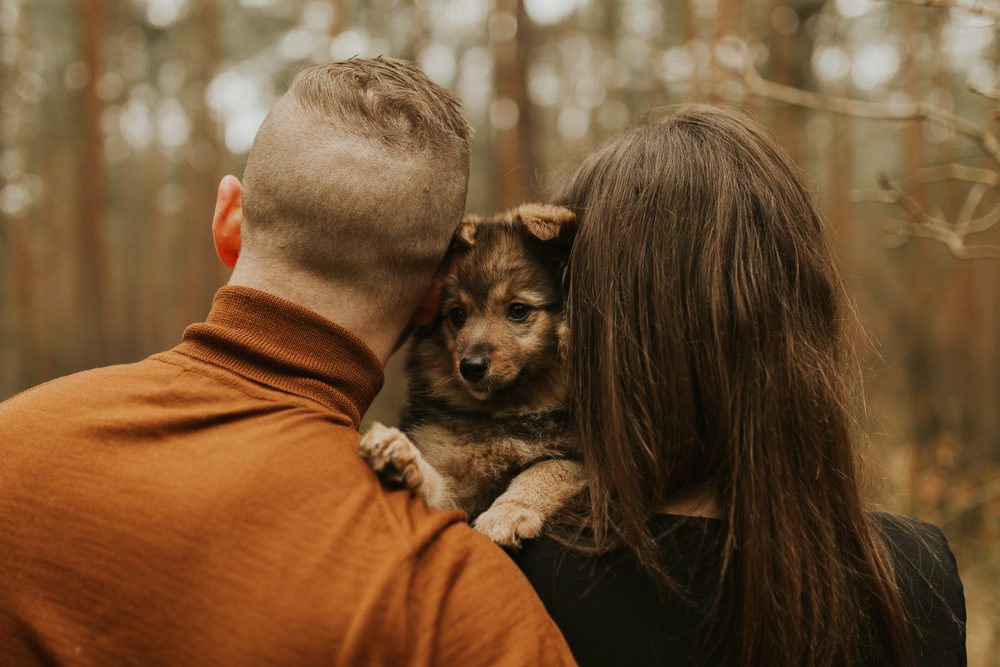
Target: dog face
500,341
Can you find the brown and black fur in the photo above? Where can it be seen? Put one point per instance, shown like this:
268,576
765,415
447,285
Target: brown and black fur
486,414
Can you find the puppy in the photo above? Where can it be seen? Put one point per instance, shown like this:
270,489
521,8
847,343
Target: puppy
485,428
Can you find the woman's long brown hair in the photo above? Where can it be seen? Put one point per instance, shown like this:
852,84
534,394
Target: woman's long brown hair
709,350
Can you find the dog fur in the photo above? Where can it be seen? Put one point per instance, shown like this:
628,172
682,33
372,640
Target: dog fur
485,427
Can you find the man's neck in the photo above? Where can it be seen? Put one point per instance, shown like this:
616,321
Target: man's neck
345,310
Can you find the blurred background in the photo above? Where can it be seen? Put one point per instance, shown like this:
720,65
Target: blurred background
119,117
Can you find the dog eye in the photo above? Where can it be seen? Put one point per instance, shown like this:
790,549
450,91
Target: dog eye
457,317
518,311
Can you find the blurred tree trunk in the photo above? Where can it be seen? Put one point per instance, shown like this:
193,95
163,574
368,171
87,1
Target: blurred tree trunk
339,17
510,144
840,172
688,33
984,288
912,80
205,273
11,345
92,283
839,180
919,294
790,64
781,66
730,20
915,257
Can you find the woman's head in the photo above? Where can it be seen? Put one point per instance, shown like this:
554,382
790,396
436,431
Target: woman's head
707,327
704,298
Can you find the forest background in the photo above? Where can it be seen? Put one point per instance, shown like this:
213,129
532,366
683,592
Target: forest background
119,117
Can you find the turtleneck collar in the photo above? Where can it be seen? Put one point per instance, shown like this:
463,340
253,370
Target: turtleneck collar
285,346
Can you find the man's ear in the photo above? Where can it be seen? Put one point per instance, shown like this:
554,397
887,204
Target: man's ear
548,222
227,223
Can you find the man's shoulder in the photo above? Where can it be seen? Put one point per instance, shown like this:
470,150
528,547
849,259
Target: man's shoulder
81,385
473,605
162,379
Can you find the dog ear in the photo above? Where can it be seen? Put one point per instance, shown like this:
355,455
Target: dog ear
547,222
465,235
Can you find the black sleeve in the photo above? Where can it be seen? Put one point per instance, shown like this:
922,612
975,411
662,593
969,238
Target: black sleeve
927,574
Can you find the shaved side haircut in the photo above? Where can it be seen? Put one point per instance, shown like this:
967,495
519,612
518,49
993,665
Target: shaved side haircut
358,176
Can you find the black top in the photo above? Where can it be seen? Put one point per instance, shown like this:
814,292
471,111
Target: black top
613,613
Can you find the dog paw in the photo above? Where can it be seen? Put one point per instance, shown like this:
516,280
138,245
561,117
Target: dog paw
392,456
508,523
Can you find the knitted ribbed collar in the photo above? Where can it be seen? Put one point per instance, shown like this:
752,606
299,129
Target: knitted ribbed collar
285,346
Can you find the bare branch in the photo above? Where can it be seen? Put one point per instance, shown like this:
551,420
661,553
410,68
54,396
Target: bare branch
898,237
977,252
873,110
991,94
909,204
874,196
977,8
932,224
958,172
984,223
981,495
923,223
969,208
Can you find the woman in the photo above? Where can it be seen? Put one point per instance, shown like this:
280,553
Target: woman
715,401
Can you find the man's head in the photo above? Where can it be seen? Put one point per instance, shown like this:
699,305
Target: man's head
354,184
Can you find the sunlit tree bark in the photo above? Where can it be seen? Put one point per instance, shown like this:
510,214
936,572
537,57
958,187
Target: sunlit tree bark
510,139
204,272
92,282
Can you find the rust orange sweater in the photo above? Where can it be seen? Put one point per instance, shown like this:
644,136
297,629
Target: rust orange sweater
208,506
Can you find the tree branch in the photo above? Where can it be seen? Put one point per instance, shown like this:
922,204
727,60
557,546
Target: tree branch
873,110
958,172
991,94
981,495
923,223
977,8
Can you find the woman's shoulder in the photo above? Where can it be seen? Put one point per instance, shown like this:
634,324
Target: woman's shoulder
612,611
589,596
920,552
927,575
684,541
912,534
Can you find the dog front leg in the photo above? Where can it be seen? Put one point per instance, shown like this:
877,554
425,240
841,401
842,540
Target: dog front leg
532,497
396,460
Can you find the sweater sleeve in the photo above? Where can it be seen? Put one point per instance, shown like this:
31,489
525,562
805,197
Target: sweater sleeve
470,605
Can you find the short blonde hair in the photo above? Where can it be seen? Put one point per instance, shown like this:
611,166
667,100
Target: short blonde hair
359,174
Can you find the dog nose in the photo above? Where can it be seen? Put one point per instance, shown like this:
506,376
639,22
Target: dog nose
474,368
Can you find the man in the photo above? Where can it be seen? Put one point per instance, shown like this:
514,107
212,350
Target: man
208,506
